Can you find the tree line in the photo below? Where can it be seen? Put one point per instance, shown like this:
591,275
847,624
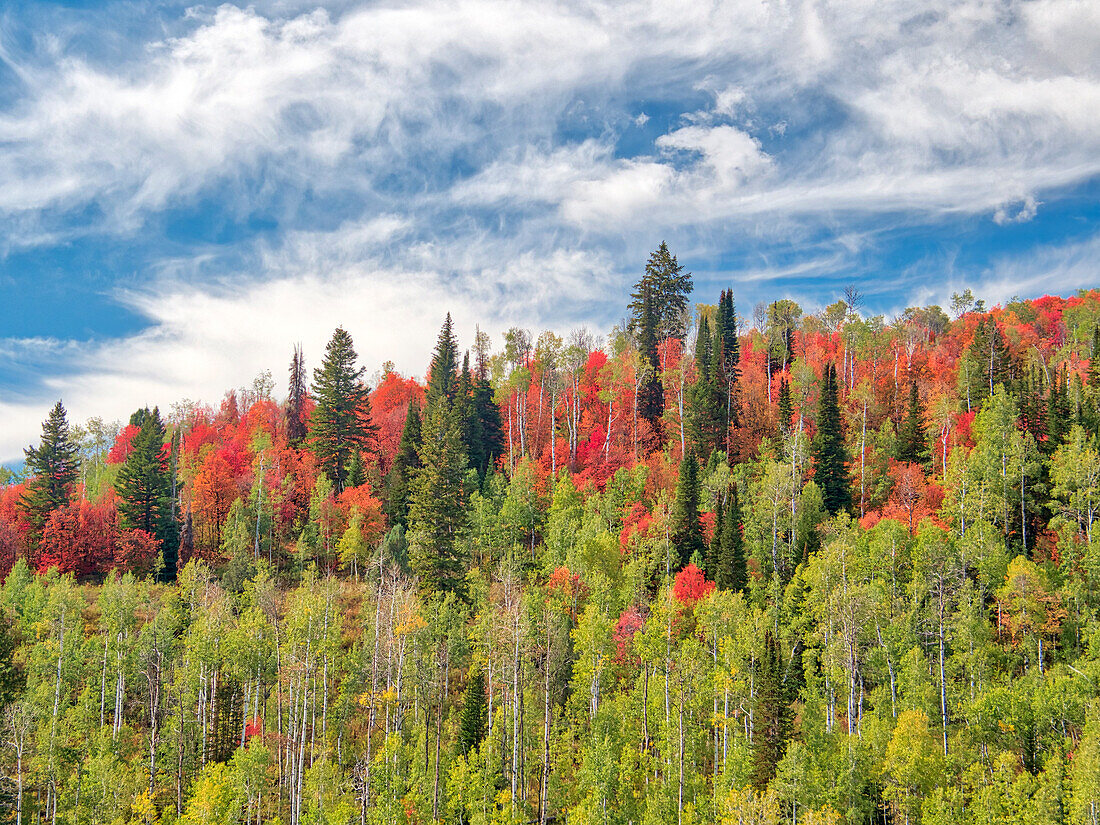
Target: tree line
800,568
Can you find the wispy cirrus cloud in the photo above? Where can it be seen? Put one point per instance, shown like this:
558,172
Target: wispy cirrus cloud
258,175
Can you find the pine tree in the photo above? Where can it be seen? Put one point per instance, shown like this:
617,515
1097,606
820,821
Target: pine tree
405,465
475,713
728,571
667,286
489,444
687,532
706,406
829,451
772,718
296,399
354,472
437,504
786,406
341,422
912,441
144,488
53,467
443,372
1094,358
727,357
651,394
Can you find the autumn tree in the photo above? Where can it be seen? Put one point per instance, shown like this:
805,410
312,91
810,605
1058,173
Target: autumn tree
52,466
341,422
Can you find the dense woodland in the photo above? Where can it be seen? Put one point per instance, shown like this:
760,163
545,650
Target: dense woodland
805,568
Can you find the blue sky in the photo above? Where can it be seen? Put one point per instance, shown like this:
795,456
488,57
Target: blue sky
187,191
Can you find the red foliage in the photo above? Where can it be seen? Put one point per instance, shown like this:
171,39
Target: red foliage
389,408
79,538
691,586
568,589
122,446
913,497
136,550
630,622
360,498
212,494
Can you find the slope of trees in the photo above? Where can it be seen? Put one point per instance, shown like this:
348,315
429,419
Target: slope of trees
824,569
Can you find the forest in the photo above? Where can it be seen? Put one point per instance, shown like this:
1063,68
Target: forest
782,567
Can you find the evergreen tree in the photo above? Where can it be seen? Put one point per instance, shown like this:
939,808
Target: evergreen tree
296,400
728,553
727,356
912,441
687,532
829,451
1094,358
405,465
706,405
443,372
786,406
437,504
341,422
475,713
12,679
772,718
488,445
667,286
144,488
651,394
52,466
354,472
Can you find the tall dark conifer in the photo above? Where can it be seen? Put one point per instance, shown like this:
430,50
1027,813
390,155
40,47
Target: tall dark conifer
341,422
773,717
667,286
405,465
912,441
474,722
144,488
786,406
687,531
829,451
651,394
437,498
53,467
728,569
707,414
296,399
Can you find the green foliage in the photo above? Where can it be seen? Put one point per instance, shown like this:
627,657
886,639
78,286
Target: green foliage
829,451
341,423
144,488
687,531
52,469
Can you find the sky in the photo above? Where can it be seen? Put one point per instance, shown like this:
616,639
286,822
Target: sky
186,192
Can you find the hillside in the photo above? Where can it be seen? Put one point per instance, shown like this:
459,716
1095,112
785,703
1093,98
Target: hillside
812,568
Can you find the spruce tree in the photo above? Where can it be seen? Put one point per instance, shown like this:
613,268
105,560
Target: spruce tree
443,372
786,406
53,468
912,441
1094,358
729,556
144,488
489,444
686,531
727,357
667,286
437,504
829,451
706,413
296,400
405,465
474,722
341,422
651,394
772,718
